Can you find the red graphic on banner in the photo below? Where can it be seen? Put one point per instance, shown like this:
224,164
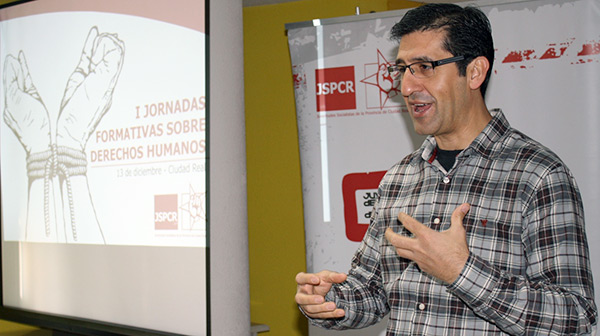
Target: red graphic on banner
378,76
592,48
518,56
335,89
525,58
552,52
165,212
353,184
299,76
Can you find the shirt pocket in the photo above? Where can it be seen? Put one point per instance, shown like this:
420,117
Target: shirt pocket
496,236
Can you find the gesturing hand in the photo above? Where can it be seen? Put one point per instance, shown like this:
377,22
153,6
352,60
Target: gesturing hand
440,254
25,112
89,91
311,292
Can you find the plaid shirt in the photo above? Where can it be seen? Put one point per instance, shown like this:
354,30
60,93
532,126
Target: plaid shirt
528,272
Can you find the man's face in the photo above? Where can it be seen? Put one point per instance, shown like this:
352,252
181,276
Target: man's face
437,104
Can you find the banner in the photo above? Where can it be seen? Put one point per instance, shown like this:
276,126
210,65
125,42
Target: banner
353,127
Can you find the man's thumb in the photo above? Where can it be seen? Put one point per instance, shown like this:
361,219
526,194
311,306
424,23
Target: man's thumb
459,214
337,277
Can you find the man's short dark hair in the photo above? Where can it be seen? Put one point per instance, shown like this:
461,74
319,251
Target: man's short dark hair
468,32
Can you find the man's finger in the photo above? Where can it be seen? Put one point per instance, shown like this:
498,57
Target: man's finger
402,244
303,298
335,277
334,314
323,311
399,241
394,238
458,215
328,315
317,278
306,278
411,224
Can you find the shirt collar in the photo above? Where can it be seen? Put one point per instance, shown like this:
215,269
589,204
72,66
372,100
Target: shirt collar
486,143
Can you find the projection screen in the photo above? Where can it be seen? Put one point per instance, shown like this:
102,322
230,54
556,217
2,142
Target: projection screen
103,165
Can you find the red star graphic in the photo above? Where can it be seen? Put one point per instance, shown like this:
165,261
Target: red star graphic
388,87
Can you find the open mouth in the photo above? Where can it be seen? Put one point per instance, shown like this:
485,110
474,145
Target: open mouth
421,108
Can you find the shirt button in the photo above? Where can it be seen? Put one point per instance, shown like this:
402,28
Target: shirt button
446,180
436,220
421,306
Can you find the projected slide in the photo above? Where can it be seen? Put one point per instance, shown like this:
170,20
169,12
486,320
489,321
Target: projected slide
103,129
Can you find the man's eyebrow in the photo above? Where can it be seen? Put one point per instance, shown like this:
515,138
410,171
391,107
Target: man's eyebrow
414,60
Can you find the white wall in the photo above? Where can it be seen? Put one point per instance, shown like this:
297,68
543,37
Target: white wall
230,298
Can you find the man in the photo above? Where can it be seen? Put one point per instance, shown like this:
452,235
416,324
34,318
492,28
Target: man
478,232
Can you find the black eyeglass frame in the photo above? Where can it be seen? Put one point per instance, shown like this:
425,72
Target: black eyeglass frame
393,68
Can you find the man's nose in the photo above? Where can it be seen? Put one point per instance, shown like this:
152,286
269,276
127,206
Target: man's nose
409,83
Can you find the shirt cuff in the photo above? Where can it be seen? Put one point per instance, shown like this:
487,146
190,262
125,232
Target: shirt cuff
476,282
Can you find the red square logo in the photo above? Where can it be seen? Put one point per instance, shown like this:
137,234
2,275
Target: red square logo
165,212
335,89
359,191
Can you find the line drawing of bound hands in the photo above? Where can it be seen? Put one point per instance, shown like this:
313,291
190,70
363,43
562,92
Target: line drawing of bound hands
57,165
89,90
24,112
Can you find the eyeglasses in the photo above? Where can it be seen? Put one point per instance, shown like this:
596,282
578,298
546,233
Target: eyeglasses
421,69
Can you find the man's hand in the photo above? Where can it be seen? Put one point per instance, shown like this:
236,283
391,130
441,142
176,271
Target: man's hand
442,255
311,292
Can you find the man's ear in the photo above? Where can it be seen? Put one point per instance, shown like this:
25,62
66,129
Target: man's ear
477,72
